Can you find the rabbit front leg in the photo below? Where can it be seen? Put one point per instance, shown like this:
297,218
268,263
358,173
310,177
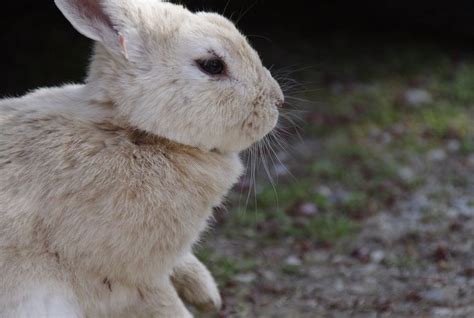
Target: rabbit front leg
163,302
195,284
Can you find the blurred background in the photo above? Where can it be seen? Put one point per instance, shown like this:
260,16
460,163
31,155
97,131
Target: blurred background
362,203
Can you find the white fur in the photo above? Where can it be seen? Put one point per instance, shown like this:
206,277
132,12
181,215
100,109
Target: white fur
40,302
106,186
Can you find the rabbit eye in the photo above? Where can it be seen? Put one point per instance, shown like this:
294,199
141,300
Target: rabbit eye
213,66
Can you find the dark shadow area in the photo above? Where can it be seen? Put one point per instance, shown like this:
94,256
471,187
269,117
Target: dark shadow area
40,48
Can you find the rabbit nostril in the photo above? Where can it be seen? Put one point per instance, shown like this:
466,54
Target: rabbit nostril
280,103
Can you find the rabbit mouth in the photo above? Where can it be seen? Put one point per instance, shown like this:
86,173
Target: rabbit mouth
260,122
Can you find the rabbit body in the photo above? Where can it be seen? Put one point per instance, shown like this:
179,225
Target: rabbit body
106,186
94,208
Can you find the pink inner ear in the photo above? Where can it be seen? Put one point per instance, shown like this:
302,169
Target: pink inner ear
123,45
93,9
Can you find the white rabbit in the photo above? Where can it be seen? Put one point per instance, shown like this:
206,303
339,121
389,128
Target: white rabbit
106,186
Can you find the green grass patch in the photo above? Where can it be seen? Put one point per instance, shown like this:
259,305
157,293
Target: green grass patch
225,268
328,228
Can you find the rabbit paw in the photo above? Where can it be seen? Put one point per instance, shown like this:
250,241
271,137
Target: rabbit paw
195,285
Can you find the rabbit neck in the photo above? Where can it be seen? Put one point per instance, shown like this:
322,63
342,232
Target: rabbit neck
104,71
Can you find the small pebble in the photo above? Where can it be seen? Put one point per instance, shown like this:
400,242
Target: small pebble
407,174
269,275
246,278
417,97
325,191
442,312
308,209
386,138
377,256
339,285
470,160
437,155
435,296
453,145
293,261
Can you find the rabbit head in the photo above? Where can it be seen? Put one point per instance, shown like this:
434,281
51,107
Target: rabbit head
189,77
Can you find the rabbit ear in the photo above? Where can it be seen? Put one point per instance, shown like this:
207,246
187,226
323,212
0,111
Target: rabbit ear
91,20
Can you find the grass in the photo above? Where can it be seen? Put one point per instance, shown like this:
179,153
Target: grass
327,226
403,262
224,269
